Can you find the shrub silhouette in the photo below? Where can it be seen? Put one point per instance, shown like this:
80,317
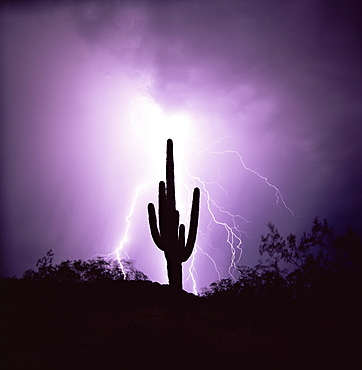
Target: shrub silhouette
270,317
170,237
317,264
80,271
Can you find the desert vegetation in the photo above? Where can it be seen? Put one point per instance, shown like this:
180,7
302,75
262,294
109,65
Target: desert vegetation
298,307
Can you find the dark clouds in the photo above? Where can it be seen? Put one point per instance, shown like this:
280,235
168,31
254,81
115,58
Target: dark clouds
281,77
299,61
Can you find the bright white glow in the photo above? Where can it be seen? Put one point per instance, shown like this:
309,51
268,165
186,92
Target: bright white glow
155,126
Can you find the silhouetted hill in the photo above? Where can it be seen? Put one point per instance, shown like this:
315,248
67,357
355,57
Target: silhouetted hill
52,325
58,325
96,314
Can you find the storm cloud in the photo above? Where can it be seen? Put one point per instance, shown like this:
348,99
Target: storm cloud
278,81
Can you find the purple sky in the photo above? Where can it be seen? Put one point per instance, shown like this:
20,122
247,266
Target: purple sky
91,91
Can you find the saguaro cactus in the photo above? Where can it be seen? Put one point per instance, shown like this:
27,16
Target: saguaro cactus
170,236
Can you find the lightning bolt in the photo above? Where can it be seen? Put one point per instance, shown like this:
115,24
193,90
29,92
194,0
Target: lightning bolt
233,238
121,250
150,123
278,195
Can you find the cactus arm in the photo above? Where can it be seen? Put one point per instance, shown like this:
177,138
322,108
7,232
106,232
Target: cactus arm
181,238
153,226
194,220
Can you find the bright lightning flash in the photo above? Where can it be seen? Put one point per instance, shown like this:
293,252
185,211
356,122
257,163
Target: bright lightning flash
155,127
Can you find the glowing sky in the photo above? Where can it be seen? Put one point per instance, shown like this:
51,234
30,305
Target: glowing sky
91,91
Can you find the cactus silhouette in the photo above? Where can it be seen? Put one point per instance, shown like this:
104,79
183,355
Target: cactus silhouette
170,236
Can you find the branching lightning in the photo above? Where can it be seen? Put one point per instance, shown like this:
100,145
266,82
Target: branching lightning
233,235
278,196
155,127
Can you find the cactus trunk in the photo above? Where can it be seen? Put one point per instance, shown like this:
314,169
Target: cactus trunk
169,236
174,273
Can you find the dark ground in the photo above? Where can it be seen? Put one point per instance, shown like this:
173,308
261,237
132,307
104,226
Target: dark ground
143,324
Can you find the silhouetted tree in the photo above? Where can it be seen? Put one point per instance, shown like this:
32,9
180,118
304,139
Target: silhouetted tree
79,271
170,236
315,263
347,253
313,250
217,287
131,272
317,259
